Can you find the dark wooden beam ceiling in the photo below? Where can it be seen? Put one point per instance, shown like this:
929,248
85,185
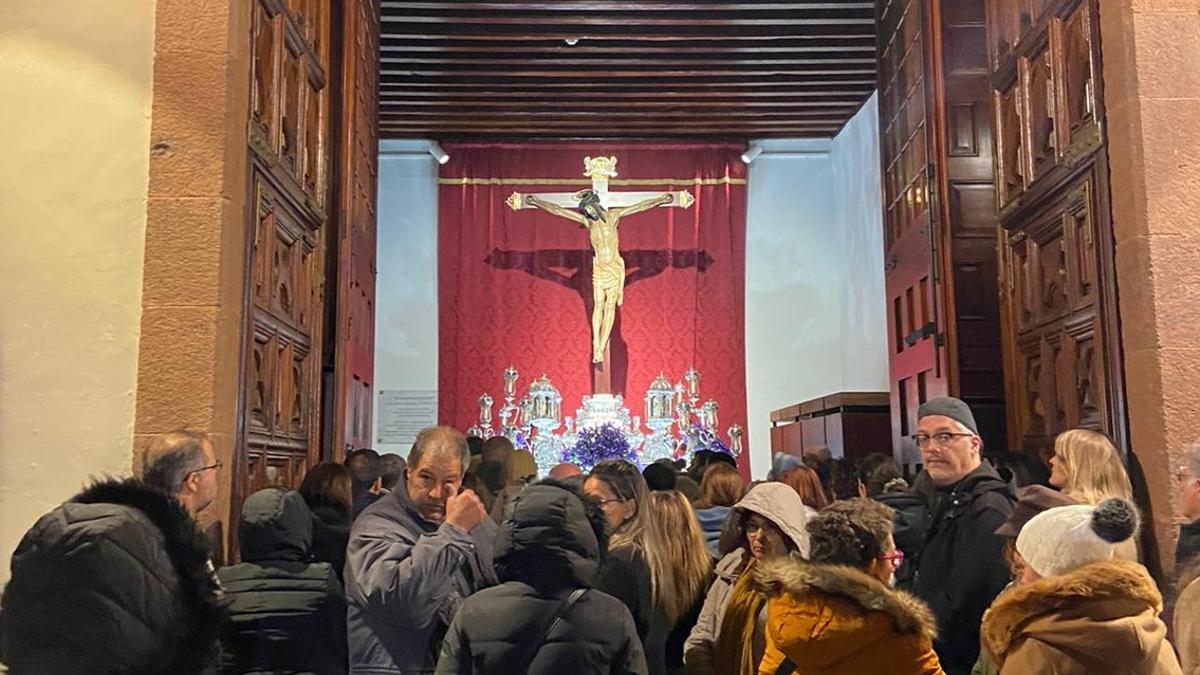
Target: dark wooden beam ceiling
652,69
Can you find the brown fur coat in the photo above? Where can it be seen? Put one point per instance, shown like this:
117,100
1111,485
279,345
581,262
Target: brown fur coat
1100,618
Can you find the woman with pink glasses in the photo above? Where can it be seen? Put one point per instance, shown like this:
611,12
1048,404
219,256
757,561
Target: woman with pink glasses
837,613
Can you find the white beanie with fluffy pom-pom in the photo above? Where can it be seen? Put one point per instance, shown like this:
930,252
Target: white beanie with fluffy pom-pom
1065,538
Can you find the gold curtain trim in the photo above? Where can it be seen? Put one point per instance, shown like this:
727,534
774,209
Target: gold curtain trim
588,182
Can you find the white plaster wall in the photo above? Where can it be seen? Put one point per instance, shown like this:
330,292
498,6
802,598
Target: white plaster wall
815,321
859,189
75,92
406,335
793,285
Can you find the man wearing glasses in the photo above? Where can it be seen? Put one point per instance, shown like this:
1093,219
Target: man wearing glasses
183,464
118,578
960,568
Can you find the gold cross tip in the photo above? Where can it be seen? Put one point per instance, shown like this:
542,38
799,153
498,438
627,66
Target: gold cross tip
686,199
600,167
514,201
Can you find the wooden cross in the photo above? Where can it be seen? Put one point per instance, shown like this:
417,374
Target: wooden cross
600,212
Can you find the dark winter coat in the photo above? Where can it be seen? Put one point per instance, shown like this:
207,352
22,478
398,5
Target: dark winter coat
116,580
405,579
961,568
287,614
909,526
546,549
331,535
363,499
626,576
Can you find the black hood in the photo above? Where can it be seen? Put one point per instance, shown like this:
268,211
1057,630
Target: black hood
276,525
547,539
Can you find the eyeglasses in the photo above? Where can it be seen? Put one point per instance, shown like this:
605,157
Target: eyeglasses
895,557
218,465
941,438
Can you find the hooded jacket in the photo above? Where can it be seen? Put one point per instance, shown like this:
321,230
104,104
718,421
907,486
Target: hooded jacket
961,568
1187,624
1099,618
712,522
837,620
116,580
286,614
777,503
546,549
405,579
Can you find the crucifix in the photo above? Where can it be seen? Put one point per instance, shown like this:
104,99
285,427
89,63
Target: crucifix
599,212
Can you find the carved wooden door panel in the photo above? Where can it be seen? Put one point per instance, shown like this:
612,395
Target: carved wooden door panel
352,285
916,360
1058,283
975,365
279,424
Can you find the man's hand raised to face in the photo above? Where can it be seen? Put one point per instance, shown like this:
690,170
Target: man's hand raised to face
465,511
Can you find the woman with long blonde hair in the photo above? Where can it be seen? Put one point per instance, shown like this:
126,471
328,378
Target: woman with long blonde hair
669,539
1087,467
619,489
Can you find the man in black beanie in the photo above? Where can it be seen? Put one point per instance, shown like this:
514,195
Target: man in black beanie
960,568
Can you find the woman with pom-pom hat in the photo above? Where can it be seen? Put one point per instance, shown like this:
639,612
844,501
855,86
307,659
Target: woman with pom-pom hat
1078,608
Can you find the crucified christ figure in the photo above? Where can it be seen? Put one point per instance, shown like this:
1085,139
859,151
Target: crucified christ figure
608,268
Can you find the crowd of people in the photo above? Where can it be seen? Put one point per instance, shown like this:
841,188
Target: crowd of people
461,559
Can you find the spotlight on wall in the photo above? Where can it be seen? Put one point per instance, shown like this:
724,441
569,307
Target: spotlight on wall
752,152
438,153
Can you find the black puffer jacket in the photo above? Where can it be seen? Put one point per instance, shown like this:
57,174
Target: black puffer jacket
286,614
961,567
547,548
331,535
117,580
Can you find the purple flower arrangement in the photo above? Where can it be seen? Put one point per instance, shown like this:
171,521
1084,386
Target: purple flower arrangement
596,444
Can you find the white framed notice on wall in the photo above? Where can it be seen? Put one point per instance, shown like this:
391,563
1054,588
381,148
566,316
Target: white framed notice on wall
403,413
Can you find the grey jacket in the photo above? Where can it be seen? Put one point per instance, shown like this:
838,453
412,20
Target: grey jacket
782,506
405,579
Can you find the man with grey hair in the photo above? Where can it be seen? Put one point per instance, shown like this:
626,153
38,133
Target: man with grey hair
1188,474
413,557
182,464
960,568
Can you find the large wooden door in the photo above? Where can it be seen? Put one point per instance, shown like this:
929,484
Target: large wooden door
288,146
916,359
1061,339
939,214
350,359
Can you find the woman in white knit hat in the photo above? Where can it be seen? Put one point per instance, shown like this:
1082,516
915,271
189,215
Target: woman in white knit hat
1078,607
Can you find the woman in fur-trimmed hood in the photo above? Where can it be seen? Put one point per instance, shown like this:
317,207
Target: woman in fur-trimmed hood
1077,607
836,613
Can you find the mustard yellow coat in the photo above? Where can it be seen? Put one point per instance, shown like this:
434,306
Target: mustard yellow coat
835,620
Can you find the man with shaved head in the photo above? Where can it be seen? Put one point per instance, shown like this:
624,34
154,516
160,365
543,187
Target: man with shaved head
414,555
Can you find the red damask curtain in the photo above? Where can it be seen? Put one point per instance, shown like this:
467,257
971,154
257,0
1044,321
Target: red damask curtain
514,287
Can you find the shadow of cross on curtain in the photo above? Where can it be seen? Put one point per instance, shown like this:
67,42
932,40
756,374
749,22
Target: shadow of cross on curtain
571,268
515,286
